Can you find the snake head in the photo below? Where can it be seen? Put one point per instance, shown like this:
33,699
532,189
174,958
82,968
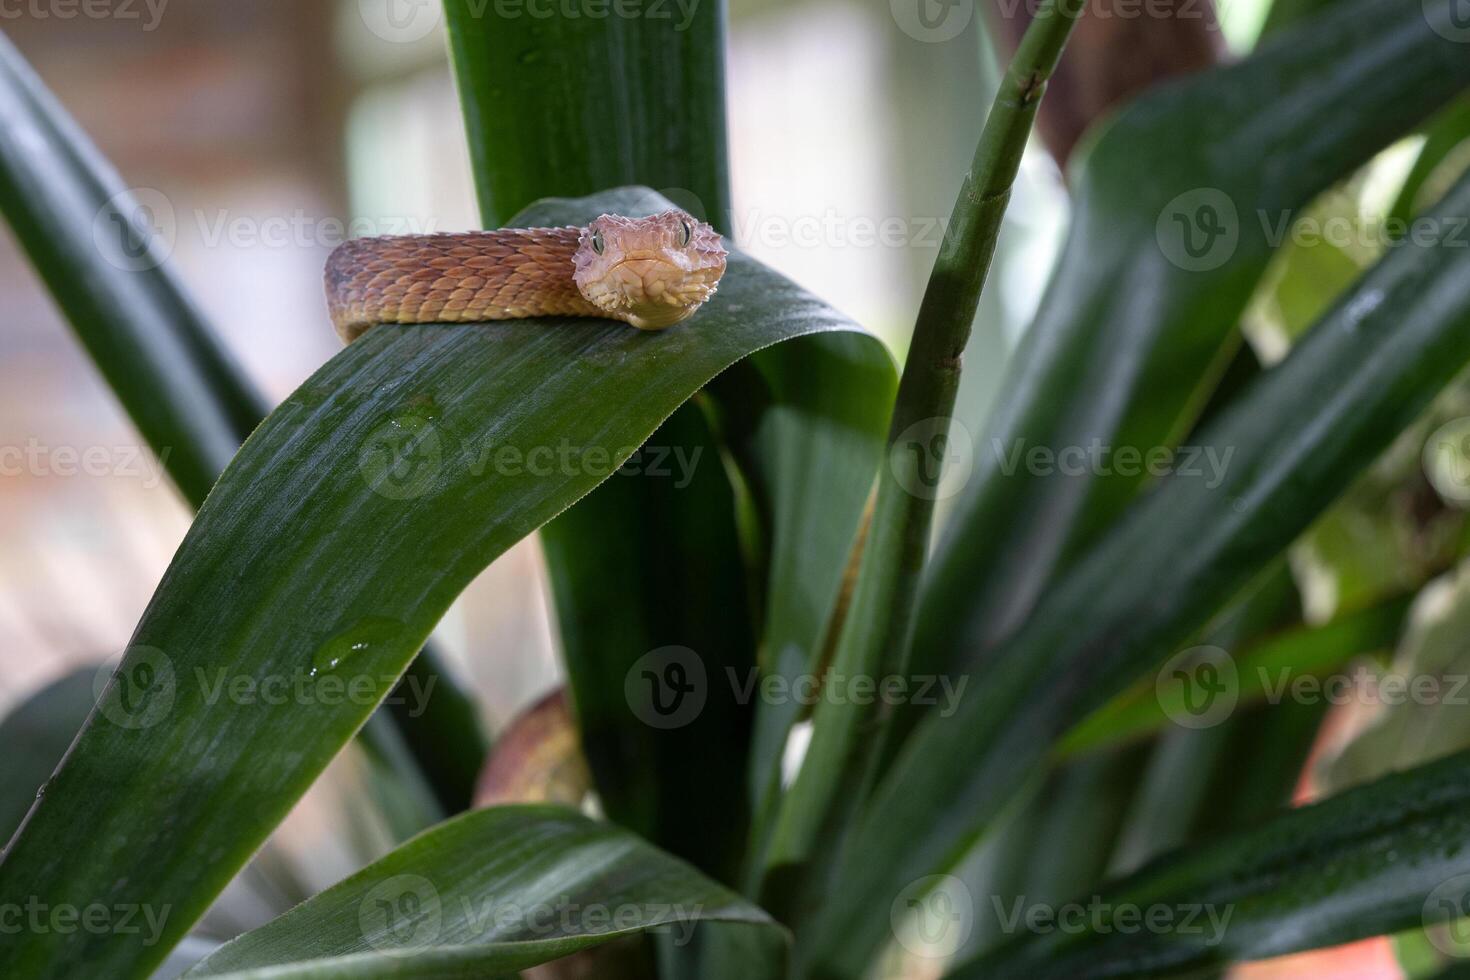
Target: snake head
650,272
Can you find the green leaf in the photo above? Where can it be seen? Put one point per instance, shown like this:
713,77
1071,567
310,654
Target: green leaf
1288,13
647,106
873,640
1186,765
36,733
1299,436
83,230
1306,651
1444,138
682,605
331,546
806,429
544,882
1426,717
1133,331
800,429
651,112
80,227
1373,860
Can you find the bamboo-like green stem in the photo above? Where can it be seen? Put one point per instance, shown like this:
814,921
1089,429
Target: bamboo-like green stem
874,639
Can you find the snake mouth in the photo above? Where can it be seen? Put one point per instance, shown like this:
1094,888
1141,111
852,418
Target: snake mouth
640,284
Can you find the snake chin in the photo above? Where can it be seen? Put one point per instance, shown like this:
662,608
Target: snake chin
649,272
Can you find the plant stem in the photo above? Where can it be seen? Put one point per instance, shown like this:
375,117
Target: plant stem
874,639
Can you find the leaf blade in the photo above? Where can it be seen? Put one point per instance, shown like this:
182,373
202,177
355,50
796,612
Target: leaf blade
546,882
345,526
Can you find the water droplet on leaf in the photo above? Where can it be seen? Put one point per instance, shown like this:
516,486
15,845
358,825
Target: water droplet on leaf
363,637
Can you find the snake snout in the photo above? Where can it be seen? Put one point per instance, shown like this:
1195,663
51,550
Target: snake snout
636,282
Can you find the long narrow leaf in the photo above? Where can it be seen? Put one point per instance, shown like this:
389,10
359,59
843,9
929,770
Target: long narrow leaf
336,539
802,427
1374,860
1178,206
543,883
847,732
1298,435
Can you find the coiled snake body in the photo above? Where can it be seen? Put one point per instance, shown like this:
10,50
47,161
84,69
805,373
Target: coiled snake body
648,272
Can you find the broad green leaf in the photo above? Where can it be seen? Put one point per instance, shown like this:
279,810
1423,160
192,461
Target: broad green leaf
807,430
1374,860
487,893
336,539
667,764
1176,208
92,242
566,106
800,429
1300,434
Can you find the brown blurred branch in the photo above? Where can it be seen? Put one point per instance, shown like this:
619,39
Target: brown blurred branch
1118,49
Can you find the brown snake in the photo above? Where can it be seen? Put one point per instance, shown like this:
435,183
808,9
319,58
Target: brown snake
648,272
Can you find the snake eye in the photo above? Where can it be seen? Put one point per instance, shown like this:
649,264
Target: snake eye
597,243
685,233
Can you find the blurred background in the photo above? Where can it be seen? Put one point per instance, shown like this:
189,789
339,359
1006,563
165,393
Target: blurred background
267,131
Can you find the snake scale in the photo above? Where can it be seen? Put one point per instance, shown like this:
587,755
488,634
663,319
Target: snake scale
649,272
